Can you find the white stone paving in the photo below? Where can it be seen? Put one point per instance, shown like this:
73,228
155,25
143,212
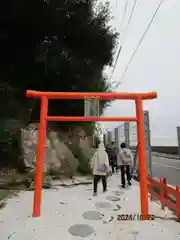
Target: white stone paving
64,207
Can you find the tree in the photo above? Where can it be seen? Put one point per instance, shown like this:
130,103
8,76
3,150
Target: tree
56,45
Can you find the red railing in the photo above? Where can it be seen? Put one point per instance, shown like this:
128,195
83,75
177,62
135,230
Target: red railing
167,195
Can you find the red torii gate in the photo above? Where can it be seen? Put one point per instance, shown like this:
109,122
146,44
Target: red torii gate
45,96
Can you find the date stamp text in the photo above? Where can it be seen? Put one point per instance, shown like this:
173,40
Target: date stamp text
135,217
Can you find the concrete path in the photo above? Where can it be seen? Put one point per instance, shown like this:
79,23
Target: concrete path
74,214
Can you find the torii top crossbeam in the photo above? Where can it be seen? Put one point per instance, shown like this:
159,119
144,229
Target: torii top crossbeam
81,95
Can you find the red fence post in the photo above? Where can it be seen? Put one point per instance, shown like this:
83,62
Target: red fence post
178,202
150,187
163,191
40,157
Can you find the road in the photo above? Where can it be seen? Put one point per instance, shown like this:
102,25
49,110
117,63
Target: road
168,168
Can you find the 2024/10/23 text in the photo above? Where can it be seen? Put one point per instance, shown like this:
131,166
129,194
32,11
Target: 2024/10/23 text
135,217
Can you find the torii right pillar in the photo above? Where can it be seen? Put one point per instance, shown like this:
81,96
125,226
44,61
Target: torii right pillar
142,157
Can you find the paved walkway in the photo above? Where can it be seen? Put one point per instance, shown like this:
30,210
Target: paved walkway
74,214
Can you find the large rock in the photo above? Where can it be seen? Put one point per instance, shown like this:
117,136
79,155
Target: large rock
58,158
80,140
29,146
68,163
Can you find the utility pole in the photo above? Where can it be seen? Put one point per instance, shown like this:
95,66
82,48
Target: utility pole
108,137
117,139
178,136
147,136
126,134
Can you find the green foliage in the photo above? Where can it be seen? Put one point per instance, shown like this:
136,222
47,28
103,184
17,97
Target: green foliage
51,45
56,45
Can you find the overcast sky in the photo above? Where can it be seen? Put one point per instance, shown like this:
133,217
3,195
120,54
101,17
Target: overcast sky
155,67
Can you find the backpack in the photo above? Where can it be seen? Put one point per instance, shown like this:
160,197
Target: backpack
126,157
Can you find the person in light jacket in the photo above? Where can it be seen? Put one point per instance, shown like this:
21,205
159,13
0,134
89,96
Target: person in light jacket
125,161
100,167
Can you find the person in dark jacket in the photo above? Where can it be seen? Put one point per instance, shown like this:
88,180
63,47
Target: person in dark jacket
111,151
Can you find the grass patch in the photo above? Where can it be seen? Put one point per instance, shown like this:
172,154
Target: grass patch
172,199
156,190
13,180
10,183
5,194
